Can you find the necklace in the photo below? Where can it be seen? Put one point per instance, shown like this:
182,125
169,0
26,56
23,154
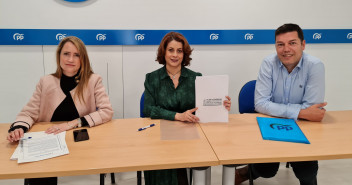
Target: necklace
173,75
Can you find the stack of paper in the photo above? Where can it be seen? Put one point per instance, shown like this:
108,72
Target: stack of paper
210,96
36,146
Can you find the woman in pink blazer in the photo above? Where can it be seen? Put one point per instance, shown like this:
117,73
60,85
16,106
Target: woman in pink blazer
73,95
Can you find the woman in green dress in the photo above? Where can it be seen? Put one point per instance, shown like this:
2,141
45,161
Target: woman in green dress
170,94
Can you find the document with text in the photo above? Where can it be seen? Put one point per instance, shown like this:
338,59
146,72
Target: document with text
36,146
210,96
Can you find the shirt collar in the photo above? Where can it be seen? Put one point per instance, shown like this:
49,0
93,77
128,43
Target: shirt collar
299,65
184,72
163,74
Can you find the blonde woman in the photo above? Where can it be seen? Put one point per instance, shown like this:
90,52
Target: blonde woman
73,94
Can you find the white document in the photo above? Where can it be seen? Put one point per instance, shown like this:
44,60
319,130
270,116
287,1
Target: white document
19,150
210,96
40,146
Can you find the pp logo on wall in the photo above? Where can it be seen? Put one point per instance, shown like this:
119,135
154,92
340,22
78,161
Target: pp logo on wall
100,37
139,37
18,36
349,36
60,36
214,36
317,36
249,36
75,1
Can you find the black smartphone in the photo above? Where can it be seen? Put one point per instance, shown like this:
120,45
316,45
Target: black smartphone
80,135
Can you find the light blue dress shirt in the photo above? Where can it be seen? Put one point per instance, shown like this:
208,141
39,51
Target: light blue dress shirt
282,94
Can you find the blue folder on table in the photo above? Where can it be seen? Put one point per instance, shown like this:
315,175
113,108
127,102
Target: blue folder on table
279,129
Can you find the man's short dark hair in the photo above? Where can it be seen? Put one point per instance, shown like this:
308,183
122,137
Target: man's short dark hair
290,28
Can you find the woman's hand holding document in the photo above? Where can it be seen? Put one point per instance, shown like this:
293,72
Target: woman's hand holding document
36,146
211,98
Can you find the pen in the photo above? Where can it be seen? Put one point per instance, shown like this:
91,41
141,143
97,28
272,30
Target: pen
143,128
25,138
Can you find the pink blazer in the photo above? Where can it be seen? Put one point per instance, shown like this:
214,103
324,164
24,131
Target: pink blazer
48,96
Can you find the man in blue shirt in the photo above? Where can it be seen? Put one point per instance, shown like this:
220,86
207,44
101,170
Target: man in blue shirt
291,84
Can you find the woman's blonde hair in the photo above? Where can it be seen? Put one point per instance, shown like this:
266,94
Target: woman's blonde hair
84,71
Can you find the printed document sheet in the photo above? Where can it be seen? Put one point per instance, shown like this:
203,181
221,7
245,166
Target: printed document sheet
210,96
38,146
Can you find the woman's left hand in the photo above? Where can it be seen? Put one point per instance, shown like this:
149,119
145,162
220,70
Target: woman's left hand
57,128
227,103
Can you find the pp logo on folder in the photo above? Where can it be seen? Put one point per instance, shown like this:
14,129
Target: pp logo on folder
279,129
281,126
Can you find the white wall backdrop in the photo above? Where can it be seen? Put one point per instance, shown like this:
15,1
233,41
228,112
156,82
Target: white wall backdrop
123,68
20,70
171,14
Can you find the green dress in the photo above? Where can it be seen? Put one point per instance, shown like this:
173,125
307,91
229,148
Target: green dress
163,101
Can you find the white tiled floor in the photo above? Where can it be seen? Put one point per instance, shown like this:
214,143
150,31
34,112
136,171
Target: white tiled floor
331,172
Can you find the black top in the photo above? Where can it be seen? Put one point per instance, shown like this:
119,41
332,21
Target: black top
67,110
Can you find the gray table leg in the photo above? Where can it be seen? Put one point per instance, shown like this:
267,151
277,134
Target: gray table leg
228,174
200,176
208,176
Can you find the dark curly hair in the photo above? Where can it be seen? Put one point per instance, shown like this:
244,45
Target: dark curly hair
187,50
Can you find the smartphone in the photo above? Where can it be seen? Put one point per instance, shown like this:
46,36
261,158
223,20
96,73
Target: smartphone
80,135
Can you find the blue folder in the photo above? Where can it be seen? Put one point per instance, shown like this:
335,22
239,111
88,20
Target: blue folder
279,129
